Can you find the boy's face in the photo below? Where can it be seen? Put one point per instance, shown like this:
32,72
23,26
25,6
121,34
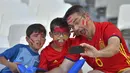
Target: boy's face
60,35
36,40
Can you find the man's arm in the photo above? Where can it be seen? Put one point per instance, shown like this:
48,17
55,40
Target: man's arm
63,68
111,49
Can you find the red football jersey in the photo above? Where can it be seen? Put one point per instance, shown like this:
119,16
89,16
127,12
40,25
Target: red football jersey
104,31
50,58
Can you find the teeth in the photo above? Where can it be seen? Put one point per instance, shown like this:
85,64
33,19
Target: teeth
60,41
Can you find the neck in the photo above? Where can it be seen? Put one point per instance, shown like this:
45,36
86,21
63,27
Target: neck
92,32
33,49
57,48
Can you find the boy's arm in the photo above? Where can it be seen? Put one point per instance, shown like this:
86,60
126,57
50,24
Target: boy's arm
4,61
11,65
8,55
81,71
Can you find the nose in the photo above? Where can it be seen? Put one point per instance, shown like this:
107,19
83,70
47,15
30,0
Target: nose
75,28
61,35
39,37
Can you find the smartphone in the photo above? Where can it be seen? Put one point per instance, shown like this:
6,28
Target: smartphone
76,50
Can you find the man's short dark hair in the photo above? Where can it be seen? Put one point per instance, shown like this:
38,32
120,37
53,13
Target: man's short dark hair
58,22
74,9
37,27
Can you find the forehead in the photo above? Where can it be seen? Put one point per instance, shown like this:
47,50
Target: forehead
72,16
61,29
37,33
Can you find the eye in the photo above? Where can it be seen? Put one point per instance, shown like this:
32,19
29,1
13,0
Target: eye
35,35
56,33
65,33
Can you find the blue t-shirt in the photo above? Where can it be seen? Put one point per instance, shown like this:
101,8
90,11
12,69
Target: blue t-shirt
22,54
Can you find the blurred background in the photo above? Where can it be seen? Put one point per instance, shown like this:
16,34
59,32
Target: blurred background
16,15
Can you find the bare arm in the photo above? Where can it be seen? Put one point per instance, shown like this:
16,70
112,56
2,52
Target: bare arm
80,71
4,61
11,65
111,49
63,68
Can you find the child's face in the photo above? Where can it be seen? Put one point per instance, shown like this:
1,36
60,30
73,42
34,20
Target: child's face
60,35
36,40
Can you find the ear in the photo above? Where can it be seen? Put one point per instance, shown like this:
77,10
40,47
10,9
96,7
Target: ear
51,34
27,39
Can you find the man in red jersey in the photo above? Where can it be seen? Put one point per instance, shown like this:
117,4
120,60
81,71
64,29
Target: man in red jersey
53,55
105,47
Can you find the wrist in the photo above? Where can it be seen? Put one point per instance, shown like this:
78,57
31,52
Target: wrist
8,64
98,54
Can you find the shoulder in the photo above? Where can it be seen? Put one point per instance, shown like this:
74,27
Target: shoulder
17,46
104,25
46,49
20,45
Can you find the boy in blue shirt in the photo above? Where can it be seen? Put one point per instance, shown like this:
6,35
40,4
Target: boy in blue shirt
26,55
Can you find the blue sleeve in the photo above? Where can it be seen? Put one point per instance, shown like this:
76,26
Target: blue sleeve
11,53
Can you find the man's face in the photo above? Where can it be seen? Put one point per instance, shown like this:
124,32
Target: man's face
78,24
60,35
36,40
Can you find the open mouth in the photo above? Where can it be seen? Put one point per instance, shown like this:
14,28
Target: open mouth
39,44
82,32
60,41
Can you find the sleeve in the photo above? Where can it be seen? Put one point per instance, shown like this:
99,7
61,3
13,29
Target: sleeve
43,61
111,30
73,57
11,53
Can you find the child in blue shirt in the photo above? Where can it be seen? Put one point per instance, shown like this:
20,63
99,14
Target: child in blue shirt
26,55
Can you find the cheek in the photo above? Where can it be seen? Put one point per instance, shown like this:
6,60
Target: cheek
43,41
69,20
82,22
87,20
55,38
66,37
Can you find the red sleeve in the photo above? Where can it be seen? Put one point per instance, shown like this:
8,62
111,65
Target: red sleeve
43,61
111,30
73,57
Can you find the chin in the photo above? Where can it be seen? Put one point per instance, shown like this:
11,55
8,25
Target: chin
61,45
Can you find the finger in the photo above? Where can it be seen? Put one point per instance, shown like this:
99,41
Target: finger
84,54
18,70
87,46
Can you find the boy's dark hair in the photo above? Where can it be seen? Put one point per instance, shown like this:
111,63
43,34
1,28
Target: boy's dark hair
74,9
58,22
37,27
